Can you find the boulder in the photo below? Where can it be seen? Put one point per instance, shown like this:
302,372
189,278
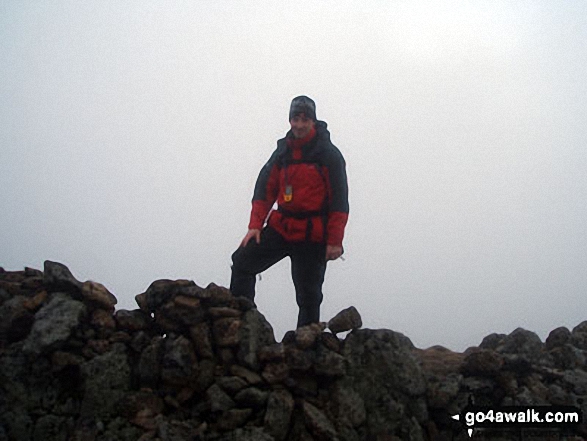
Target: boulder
97,294
54,324
57,277
345,320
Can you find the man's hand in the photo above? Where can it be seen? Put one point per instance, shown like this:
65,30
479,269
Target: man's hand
250,234
333,252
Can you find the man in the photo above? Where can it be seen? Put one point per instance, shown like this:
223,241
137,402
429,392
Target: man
306,176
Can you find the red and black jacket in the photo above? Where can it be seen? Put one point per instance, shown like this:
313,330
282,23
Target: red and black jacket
308,180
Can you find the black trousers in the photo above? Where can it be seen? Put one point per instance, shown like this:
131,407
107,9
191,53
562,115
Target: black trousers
308,265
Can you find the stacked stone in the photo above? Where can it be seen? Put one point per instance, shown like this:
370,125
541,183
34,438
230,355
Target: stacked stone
517,369
195,363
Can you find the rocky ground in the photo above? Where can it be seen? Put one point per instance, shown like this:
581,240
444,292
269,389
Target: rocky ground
193,363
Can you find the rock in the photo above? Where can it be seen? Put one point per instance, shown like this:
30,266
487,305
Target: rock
557,337
54,323
175,316
103,319
345,320
222,312
232,384
317,423
164,290
577,380
246,434
149,368
33,304
383,371
579,336
50,427
280,406
251,397
218,399
226,331
97,294
218,295
347,406
233,418
275,373
439,361
521,342
141,408
254,333
179,364
16,321
442,392
107,378
492,341
249,376
329,363
306,335
298,360
133,321
57,277
201,337
331,342
483,363
274,352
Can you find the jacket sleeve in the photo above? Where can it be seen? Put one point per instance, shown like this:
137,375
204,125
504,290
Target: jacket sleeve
338,194
265,193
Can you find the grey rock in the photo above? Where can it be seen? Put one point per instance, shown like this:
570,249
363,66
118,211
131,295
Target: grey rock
442,392
179,365
521,342
246,434
54,324
233,418
57,277
347,406
18,424
492,341
254,333
329,363
280,406
382,369
218,399
232,384
558,337
251,397
50,427
106,380
246,374
318,424
577,380
579,336
150,363
16,320
345,320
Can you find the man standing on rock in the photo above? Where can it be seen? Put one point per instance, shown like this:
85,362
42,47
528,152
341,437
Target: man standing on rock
306,176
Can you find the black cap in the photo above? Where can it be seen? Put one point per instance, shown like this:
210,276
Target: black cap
303,104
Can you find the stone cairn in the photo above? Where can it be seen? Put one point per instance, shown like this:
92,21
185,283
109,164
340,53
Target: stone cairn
195,363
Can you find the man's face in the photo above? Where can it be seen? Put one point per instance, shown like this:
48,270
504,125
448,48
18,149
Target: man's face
301,125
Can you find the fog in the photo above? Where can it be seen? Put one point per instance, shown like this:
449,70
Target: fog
131,136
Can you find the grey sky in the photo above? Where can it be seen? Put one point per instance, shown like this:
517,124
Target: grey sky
131,135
